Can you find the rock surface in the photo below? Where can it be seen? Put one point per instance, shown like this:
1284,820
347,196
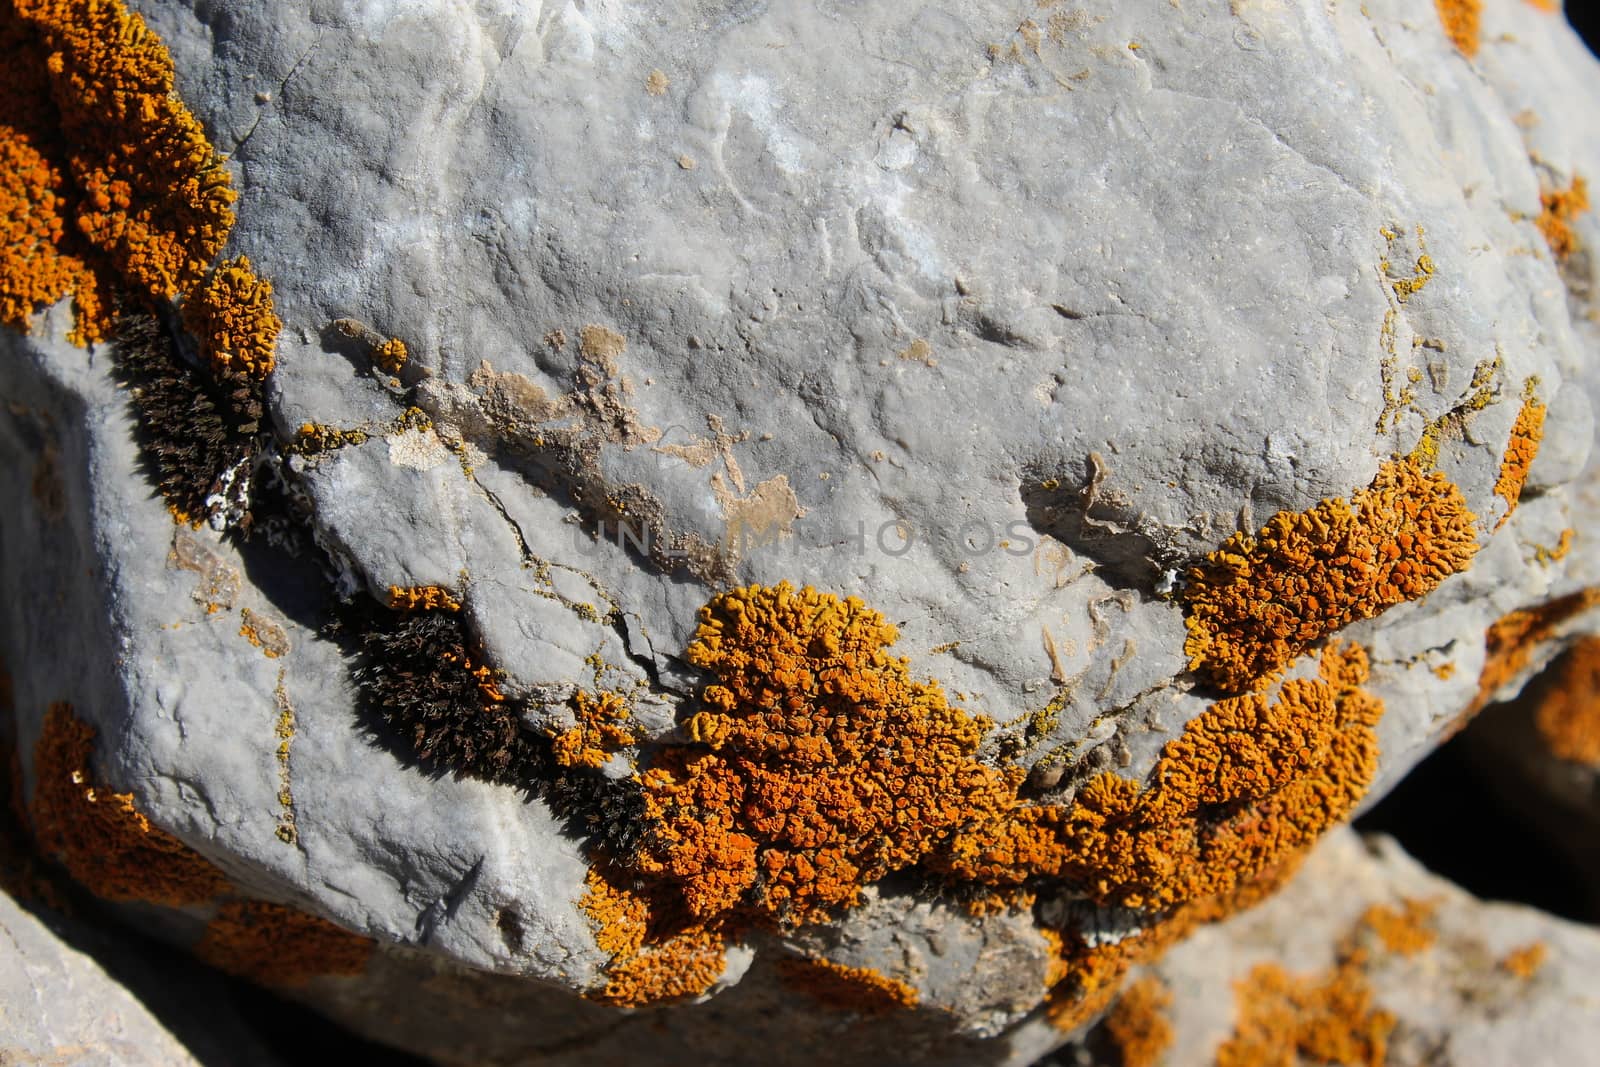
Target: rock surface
999,317
58,1006
1381,947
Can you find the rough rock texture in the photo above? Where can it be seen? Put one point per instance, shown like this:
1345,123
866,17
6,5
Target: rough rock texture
59,1006
1373,952
1000,317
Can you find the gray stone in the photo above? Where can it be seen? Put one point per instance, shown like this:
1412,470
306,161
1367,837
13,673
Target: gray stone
1066,295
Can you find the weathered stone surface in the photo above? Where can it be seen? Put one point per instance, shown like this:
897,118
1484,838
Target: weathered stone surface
58,1006
1461,981
1066,295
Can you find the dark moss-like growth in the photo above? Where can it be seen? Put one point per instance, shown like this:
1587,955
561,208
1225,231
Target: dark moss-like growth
418,676
200,436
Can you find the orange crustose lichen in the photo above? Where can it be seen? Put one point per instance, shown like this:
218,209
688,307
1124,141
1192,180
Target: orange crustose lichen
1245,787
1525,961
1138,1024
1286,1019
422,598
100,836
599,733
115,183
657,956
1511,641
818,764
1568,712
1404,931
1460,21
1526,434
861,990
1558,208
277,945
1258,602
391,356
232,315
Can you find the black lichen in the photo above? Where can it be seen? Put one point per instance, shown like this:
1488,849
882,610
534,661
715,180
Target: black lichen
200,437
416,676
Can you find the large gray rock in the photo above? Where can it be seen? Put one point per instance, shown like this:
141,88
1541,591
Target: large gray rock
1064,296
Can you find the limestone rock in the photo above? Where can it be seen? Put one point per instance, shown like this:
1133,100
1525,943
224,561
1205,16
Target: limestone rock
58,1005
1366,944
999,317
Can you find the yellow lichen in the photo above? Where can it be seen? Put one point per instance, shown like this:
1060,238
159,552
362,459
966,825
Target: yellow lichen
391,356
1524,962
599,733
1568,714
818,764
1137,1024
1405,931
232,315
657,956
860,990
422,598
1460,21
1286,1019
116,185
101,838
1558,209
1526,433
1246,786
1258,602
277,945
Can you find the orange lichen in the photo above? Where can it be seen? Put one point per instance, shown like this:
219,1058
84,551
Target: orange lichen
421,597
100,836
1551,6
1460,21
1138,1024
818,764
1512,640
278,945
1568,714
860,990
1246,786
1405,931
111,182
599,733
1558,209
655,959
232,316
1524,962
391,356
1526,434
1286,1019
1258,602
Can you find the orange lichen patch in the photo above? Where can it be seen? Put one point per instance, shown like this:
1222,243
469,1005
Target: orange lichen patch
1525,962
1460,21
1526,433
1406,930
599,733
1245,787
1138,1024
1568,715
391,356
860,990
1551,6
655,959
1286,1019
277,945
100,836
262,632
422,598
116,173
818,764
1258,602
1558,208
1512,640
232,316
